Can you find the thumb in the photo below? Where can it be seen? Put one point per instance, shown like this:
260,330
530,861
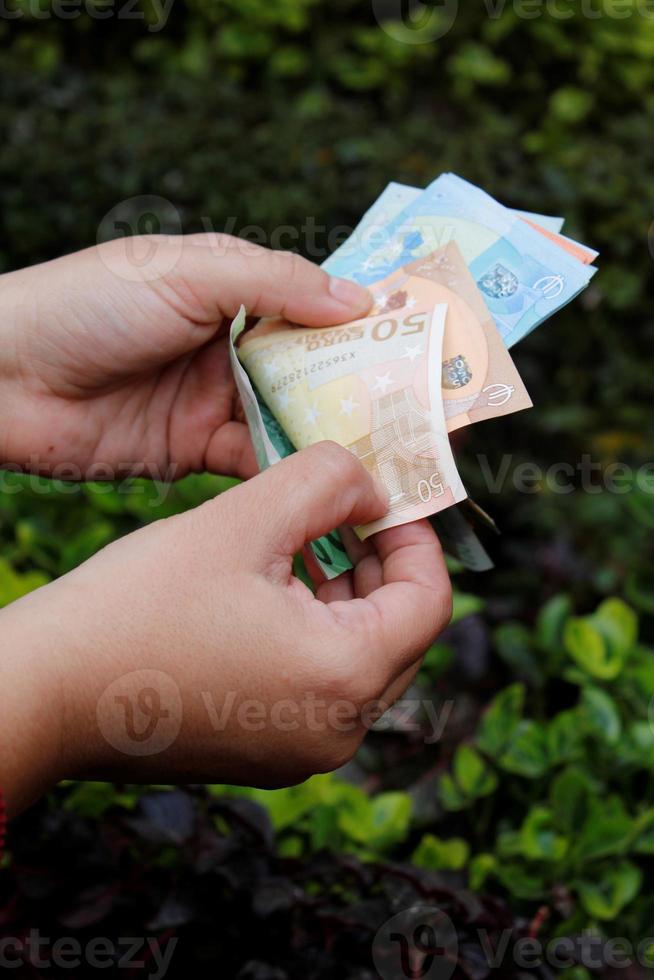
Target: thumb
224,273
305,496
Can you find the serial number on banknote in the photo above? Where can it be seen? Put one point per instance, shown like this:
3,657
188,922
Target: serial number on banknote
292,377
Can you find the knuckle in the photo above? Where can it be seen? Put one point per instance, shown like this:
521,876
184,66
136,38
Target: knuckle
339,461
287,266
217,240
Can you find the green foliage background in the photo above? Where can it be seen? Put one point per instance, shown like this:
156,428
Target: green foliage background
270,112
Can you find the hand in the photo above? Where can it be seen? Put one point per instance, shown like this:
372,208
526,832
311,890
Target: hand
188,651
115,360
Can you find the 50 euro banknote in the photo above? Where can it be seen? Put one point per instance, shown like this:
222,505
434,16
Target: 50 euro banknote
478,376
374,387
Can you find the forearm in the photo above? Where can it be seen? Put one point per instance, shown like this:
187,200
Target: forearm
31,723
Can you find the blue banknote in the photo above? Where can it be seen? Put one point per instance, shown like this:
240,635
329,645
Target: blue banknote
523,276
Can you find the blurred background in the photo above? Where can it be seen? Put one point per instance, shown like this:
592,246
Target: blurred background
535,818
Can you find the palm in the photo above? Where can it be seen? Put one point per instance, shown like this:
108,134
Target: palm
122,365
171,420
138,378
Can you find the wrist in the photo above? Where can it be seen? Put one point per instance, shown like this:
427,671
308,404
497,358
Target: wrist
16,300
31,758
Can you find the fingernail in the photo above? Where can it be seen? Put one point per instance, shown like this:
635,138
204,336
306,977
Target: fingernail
351,294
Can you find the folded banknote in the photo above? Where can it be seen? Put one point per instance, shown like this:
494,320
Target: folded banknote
457,279
523,274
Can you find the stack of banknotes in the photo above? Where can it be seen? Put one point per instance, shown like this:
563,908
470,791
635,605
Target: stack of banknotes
457,280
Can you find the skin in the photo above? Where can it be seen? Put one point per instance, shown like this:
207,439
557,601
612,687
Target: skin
195,625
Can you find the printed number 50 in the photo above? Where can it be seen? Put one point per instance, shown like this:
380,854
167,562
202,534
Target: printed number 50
428,489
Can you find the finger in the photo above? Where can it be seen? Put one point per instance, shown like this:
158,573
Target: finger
368,576
314,570
224,273
396,623
355,548
306,496
230,452
337,589
401,684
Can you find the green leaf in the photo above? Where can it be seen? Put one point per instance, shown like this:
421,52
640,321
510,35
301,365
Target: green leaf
586,644
618,624
564,737
390,819
570,104
643,840
465,605
436,854
481,867
450,795
92,800
550,623
636,747
287,806
601,714
570,795
377,823
607,830
472,773
521,881
527,753
86,543
14,585
539,838
514,645
500,720
605,899
437,660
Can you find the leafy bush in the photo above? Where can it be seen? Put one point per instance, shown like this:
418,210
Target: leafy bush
562,793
